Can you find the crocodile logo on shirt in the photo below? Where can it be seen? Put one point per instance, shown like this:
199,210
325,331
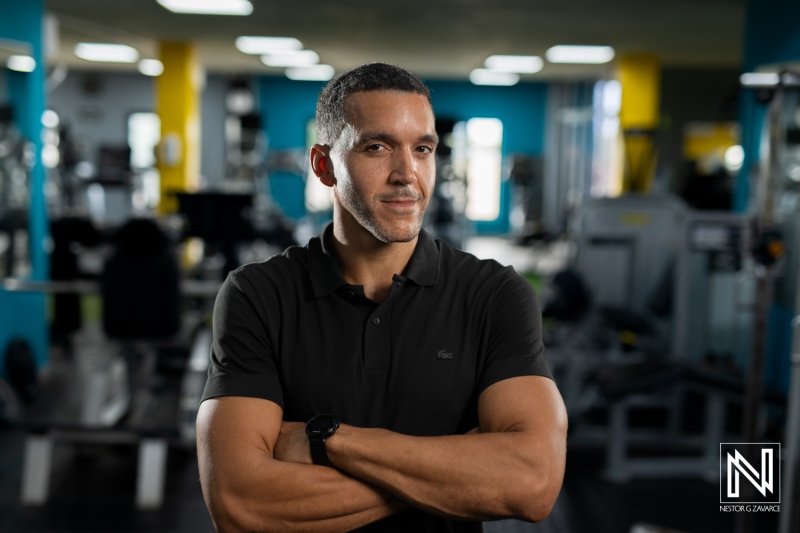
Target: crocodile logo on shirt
444,354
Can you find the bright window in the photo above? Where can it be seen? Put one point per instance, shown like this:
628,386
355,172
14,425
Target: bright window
477,153
144,134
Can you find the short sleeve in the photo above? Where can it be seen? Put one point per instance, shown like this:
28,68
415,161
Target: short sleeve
514,346
242,357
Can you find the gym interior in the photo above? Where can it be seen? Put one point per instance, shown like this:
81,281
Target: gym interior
637,162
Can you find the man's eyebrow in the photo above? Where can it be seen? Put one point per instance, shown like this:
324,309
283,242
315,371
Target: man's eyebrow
377,136
373,136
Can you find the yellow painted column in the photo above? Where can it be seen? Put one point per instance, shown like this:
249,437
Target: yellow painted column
178,105
640,78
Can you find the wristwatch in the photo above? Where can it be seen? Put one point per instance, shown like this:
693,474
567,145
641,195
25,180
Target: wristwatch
318,429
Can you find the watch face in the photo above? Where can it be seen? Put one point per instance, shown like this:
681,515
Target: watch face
322,426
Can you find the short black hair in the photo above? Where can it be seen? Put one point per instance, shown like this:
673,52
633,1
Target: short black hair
370,77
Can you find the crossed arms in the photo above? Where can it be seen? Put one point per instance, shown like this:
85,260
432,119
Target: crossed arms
257,475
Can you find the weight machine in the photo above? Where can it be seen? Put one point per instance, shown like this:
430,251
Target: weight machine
777,220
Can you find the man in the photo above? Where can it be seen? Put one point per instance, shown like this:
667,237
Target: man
418,367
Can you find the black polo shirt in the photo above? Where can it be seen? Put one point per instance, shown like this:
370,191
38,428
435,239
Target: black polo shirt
291,330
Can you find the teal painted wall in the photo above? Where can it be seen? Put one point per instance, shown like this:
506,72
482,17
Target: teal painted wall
287,106
521,108
24,314
772,35
772,32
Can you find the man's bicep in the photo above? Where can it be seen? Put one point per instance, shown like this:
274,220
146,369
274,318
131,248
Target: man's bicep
235,436
524,403
528,415
232,423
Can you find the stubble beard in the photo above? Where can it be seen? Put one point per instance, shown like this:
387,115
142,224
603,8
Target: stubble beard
366,216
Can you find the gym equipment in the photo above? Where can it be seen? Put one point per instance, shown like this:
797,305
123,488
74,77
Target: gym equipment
144,327
625,246
655,384
16,161
777,194
713,293
220,219
657,270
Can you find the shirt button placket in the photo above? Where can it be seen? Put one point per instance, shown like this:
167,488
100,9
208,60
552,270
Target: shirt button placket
376,321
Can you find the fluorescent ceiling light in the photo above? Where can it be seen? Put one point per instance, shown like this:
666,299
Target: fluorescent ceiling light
21,63
294,58
760,79
483,76
580,54
209,7
315,73
151,67
111,53
520,64
266,45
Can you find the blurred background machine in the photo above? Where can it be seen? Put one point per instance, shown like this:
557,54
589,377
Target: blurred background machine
15,164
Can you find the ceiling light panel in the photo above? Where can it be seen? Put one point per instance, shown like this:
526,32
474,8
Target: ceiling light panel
106,52
295,58
593,55
483,76
315,73
519,64
150,67
267,45
760,79
21,63
209,7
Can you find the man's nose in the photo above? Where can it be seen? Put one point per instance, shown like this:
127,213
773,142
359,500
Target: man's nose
404,171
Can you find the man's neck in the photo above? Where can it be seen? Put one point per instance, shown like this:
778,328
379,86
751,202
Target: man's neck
364,260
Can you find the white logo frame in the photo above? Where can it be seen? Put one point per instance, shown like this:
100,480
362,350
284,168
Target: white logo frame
736,464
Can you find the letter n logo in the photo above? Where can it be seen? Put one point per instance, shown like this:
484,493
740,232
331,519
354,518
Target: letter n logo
738,474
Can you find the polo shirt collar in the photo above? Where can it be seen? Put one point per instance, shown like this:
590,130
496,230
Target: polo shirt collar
326,277
423,267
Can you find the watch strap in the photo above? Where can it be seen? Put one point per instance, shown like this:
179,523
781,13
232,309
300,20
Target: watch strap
318,454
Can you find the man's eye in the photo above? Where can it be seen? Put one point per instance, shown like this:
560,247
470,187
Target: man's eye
374,147
425,149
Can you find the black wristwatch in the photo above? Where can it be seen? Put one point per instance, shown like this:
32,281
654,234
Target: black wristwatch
318,429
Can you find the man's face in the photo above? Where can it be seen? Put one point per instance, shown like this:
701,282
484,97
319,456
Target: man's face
384,162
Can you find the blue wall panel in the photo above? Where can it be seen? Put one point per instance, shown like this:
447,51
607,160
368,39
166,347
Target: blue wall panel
286,107
24,314
772,36
521,108
772,32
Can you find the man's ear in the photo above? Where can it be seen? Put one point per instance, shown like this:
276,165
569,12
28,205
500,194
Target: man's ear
321,165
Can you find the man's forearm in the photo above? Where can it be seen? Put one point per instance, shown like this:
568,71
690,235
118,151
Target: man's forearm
249,488
280,496
476,476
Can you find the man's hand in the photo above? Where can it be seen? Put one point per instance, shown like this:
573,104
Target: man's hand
292,445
